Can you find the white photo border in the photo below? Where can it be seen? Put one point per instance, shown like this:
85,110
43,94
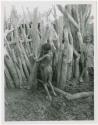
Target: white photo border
94,4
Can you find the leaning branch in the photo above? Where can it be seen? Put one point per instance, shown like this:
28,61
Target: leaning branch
65,13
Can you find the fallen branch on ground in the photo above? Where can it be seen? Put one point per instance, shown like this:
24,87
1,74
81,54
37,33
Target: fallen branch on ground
72,96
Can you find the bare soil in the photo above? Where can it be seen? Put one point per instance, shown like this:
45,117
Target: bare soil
25,105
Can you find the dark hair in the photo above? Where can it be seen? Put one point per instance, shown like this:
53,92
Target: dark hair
87,36
46,47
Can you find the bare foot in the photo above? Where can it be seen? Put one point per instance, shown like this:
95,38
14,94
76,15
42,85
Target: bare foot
55,94
49,97
81,80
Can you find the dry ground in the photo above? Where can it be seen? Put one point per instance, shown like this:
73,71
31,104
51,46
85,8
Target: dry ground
24,105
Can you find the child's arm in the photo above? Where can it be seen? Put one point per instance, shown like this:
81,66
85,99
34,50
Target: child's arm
76,54
43,57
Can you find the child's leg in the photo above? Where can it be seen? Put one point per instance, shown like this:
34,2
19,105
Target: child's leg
84,73
46,88
49,81
52,88
44,78
82,66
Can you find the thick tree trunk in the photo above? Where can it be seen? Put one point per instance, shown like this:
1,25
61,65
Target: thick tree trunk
33,76
63,77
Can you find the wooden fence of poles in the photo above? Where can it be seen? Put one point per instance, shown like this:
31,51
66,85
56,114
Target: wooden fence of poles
24,39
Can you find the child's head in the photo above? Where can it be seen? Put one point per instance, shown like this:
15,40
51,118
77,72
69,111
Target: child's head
46,48
88,38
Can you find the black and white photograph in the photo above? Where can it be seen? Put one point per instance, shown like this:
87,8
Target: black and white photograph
48,61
